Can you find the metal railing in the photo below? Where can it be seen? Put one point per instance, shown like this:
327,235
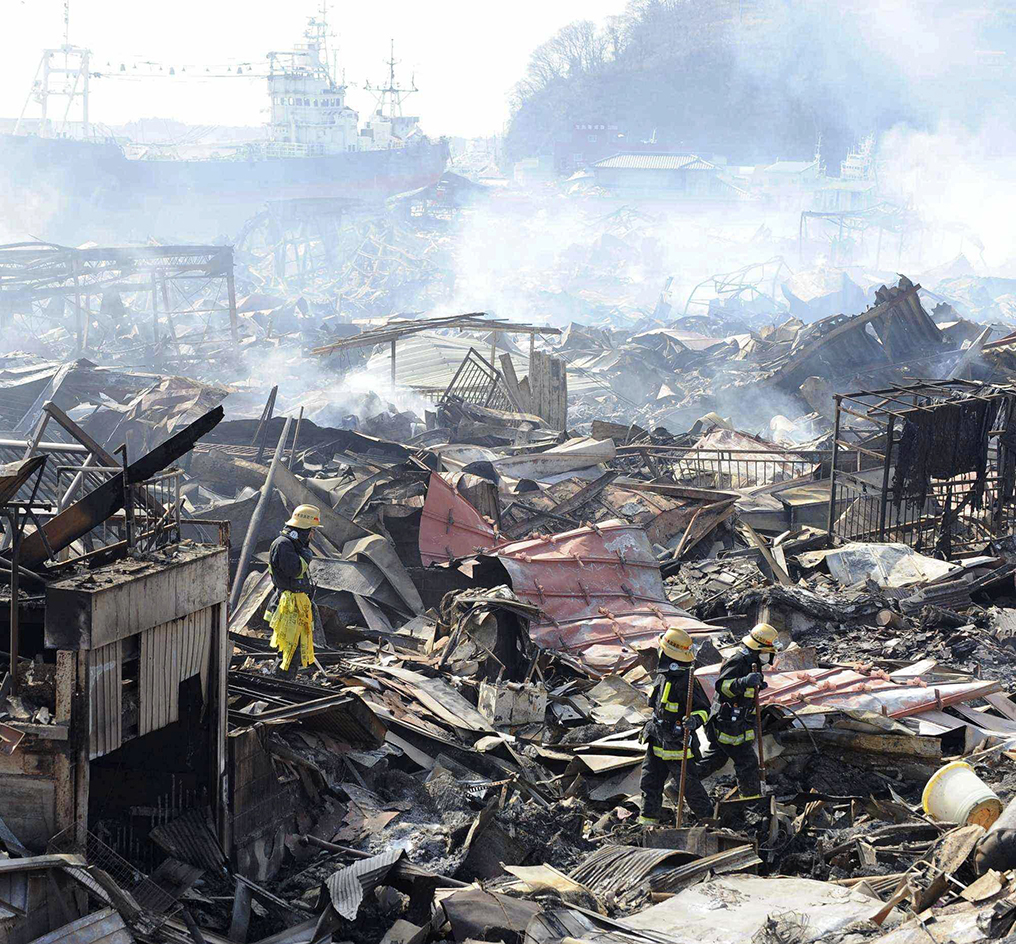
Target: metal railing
155,904
151,509
477,381
943,470
721,468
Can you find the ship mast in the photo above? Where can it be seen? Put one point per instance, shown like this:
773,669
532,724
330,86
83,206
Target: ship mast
75,63
391,95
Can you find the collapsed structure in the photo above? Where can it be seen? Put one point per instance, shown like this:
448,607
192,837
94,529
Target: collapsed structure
512,511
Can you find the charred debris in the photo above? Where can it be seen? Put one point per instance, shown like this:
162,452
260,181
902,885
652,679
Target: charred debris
511,515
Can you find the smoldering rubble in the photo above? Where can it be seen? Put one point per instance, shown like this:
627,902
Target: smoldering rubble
513,509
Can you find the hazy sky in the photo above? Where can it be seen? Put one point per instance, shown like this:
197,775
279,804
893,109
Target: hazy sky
466,55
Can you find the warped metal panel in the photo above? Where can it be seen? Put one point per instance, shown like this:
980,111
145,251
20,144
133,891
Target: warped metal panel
101,927
600,593
77,520
450,526
841,689
105,703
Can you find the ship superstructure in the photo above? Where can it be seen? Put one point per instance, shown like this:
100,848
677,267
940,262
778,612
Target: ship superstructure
67,187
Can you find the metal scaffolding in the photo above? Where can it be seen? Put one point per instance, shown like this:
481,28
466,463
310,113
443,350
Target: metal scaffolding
165,296
939,465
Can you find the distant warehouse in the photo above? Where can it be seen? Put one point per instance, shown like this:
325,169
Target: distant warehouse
674,176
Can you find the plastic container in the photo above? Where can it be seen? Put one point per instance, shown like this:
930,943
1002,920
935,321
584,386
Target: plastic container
955,794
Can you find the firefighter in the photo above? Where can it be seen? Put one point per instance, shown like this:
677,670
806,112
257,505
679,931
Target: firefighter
731,728
290,611
664,733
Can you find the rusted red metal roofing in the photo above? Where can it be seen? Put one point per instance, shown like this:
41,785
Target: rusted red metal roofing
842,688
450,526
600,593
599,588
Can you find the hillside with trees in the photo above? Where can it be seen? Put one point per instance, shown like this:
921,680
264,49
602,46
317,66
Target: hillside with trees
749,79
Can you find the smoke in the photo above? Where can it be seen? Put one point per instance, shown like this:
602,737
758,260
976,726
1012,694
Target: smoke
962,183
328,399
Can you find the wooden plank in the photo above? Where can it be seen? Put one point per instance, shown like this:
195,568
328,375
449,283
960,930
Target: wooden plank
780,573
512,381
1002,704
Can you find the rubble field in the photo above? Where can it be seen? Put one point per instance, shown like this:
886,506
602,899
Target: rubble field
512,512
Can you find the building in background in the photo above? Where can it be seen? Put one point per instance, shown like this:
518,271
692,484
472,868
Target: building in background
670,176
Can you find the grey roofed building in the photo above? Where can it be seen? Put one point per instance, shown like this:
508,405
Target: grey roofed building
684,176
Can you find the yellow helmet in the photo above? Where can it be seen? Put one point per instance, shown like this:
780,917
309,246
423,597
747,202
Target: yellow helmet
762,638
304,516
676,644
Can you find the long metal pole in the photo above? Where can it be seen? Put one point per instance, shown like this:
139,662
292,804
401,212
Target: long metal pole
758,741
231,290
296,437
832,470
250,538
684,753
12,517
884,498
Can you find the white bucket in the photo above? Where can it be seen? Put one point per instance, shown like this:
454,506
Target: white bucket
955,794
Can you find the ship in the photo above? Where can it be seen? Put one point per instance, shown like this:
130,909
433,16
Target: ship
66,189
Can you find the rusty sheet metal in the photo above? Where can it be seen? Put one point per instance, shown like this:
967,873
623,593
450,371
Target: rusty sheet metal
600,594
848,689
450,526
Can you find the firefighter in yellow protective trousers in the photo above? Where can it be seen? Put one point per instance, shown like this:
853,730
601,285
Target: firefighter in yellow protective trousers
290,611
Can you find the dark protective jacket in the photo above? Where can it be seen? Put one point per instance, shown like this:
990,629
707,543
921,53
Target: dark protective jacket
732,719
670,690
289,565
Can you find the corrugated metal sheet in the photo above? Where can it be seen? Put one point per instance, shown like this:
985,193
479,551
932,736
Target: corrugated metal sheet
170,653
654,162
450,526
429,361
600,593
101,927
260,804
190,839
612,869
599,588
348,885
842,689
105,702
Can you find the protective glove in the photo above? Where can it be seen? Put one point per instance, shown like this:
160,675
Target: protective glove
693,723
753,680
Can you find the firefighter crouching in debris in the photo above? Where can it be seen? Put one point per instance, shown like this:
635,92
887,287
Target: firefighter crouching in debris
664,733
290,611
731,727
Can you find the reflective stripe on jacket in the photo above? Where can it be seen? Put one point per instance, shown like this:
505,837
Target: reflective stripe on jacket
732,718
